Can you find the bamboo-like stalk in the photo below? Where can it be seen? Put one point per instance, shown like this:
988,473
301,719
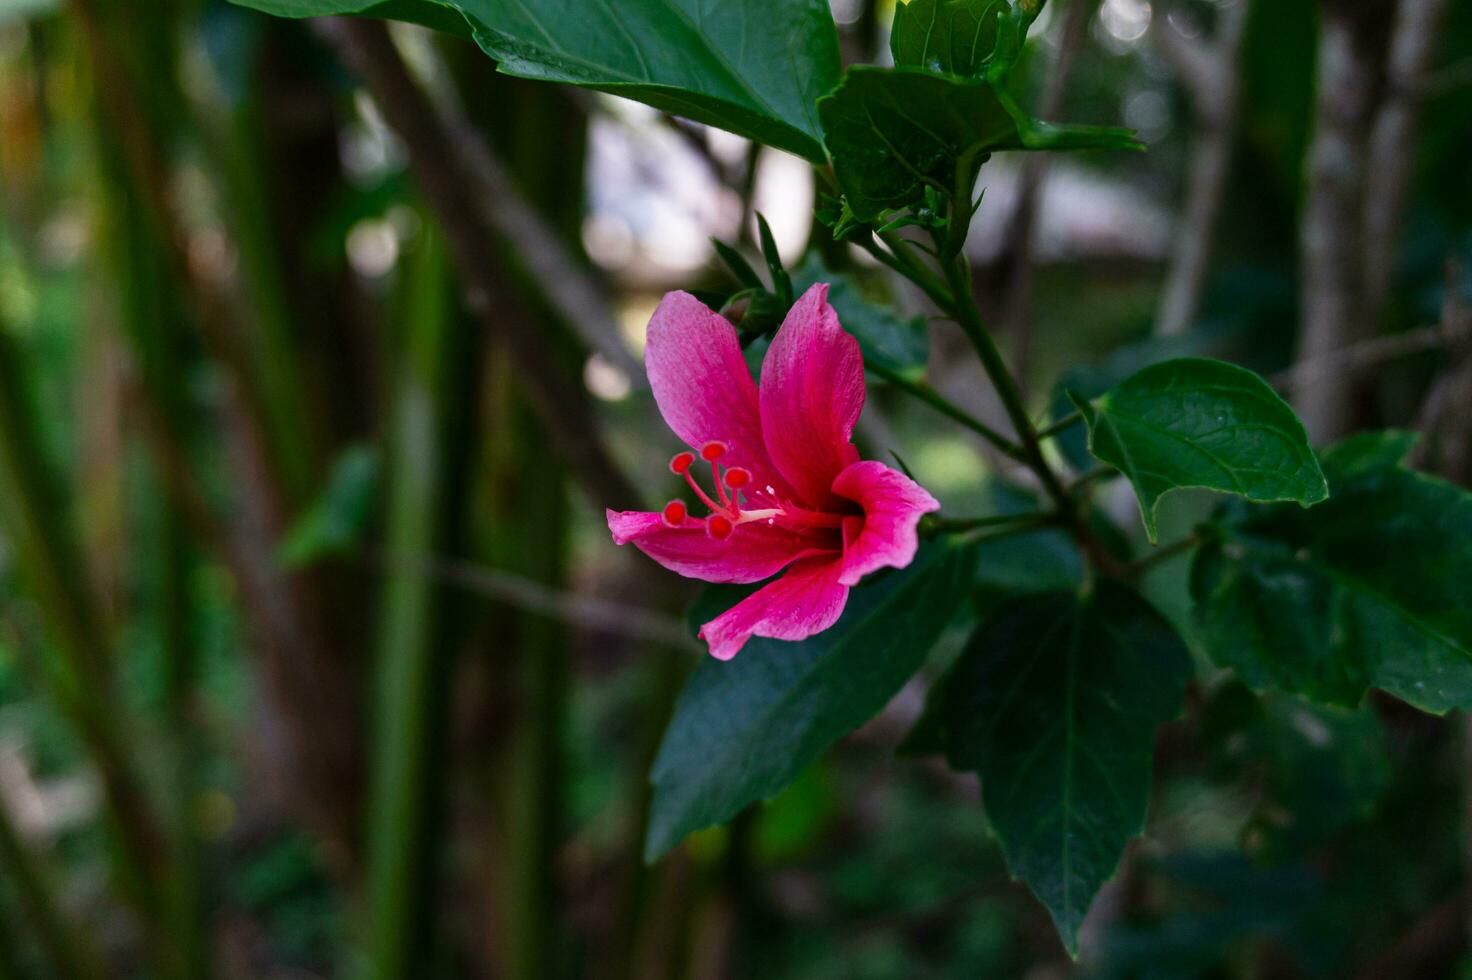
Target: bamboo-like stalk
35,509
425,495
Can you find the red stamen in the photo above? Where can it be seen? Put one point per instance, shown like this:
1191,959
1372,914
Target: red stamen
713,450
704,497
715,469
682,462
719,527
674,513
737,477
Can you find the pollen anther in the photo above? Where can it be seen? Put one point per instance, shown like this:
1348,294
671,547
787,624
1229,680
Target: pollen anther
674,513
713,450
737,477
681,463
719,526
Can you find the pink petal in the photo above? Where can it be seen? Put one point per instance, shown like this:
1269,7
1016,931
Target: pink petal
752,552
807,599
702,384
893,504
812,392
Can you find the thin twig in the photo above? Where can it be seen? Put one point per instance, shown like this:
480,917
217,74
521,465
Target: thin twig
1392,142
1357,358
930,526
1062,425
588,612
1162,554
1210,73
1021,224
925,393
1332,236
451,175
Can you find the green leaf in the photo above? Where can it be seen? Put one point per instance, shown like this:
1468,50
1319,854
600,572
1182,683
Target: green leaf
1313,769
1366,590
893,132
1090,380
428,13
335,523
954,37
742,730
1054,704
899,343
1196,422
755,68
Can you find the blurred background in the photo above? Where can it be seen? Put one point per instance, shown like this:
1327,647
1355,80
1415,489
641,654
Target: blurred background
316,659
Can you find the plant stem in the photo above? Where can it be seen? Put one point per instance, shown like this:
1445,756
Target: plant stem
937,401
1062,425
426,499
931,526
1162,554
963,308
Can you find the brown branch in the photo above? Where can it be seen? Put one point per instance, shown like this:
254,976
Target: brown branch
444,163
1211,75
570,290
1446,417
1349,362
1331,246
587,612
1021,226
1413,44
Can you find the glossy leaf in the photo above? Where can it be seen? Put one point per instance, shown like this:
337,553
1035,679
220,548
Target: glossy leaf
954,37
755,68
893,132
428,13
1090,380
901,344
1366,590
744,729
1054,704
1196,422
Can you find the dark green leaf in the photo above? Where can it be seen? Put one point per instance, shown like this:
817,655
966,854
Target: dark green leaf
736,262
1313,768
1196,422
429,13
893,132
335,523
755,68
954,37
1366,590
742,730
900,344
1090,380
1054,704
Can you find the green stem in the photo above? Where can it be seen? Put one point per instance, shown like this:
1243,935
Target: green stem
937,401
415,641
931,526
963,307
1062,425
1163,554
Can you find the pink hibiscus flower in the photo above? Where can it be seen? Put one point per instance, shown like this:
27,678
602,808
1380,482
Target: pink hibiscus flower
789,490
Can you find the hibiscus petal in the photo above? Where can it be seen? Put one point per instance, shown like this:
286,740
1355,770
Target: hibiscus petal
807,599
751,553
812,392
893,504
702,384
